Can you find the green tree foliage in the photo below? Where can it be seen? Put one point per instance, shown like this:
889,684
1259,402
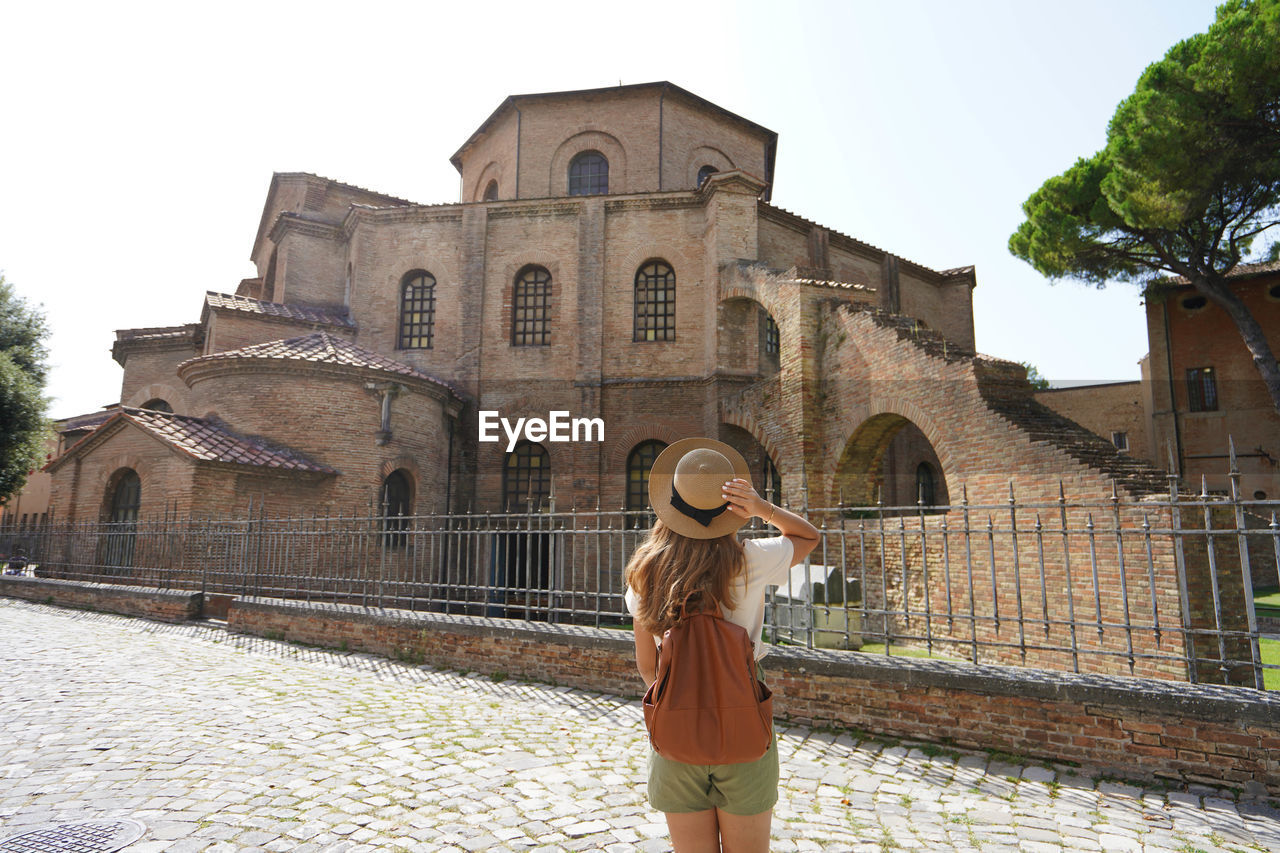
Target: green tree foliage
1034,376
23,425
1189,177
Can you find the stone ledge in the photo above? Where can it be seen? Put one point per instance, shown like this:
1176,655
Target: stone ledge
575,635
1210,703
169,605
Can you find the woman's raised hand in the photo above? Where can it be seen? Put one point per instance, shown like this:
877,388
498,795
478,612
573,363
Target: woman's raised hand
743,499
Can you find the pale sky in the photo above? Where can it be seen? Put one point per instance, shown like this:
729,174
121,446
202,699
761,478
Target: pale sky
139,139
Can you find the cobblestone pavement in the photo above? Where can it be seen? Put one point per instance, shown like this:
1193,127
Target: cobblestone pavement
219,742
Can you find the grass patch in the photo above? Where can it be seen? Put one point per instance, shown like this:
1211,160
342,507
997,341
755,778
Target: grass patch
1267,596
1270,655
904,652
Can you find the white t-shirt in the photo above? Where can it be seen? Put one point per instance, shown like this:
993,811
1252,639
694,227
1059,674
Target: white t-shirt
768,562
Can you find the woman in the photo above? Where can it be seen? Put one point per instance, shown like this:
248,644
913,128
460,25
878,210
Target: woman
701,491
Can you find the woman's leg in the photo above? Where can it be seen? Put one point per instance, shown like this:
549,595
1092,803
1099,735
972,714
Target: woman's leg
696,832
744,833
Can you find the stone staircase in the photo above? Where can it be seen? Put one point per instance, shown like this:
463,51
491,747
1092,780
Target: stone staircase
1004,387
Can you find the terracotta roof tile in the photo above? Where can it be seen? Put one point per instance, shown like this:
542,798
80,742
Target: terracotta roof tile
91,420
299,313
157,333
1240,271
323,348
210,441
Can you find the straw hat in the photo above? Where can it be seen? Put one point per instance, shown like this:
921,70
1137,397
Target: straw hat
685,487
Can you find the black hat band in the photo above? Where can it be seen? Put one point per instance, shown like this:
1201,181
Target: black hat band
702,516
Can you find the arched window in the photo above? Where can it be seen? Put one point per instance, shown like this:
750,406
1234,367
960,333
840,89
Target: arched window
157,404
491,191
527,476
655,302
639,461
704,173
397,507
588,174
926,488
530,308
417,310
124,500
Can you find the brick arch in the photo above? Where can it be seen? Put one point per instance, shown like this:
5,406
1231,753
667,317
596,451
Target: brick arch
106,477
171,395
766,298
747,423
491,172
589,140
683,265
705,155
424,259
857,469
404,461
619,448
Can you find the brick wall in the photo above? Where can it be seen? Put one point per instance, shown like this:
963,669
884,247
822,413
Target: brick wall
653,139
1121,726
162,605
1182,337
1105,409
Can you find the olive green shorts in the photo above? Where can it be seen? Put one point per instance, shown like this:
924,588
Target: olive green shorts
739,789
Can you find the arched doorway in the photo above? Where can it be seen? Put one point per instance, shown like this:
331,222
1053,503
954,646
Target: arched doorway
891,462
396,506
123,500
522,549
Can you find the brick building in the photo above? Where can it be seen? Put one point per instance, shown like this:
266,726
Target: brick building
588,269
1201,386
614,257
1199,389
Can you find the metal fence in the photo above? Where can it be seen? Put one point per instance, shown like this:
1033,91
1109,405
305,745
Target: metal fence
1160,588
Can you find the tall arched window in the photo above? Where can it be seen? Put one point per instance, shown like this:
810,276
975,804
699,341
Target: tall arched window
396,506
491,191
588,174
124,500
417,310
527,476
926,485
704,173
655,302
531,308
157,404
639,461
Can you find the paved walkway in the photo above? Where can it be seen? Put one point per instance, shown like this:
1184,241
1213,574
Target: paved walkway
218,742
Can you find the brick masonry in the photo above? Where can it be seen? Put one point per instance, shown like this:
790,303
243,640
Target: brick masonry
1128,727
876,354
161,605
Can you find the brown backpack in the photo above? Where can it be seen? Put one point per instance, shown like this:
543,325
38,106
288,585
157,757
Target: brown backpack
706,705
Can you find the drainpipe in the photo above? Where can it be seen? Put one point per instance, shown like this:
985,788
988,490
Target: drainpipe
661,98
448,468
1173,400
518,117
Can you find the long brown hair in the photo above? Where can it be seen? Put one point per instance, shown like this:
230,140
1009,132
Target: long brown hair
669,569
